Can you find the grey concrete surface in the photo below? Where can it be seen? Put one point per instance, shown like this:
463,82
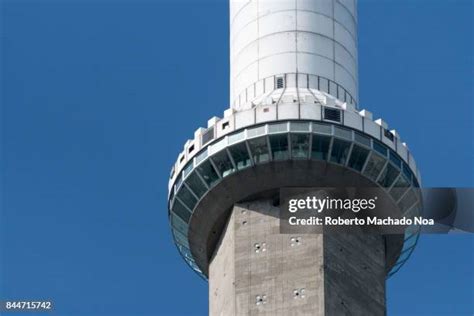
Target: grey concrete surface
255,270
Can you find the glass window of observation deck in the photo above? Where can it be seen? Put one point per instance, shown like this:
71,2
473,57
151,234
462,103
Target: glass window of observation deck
240,155
187,197
278,128
389,174
380,148
374,166
340,151
358,157
322,128
207,172
279,145
185,252
178,223
299,126
223,163
196,184
343,133
180,238
400,187
406,171
395,159
259,149
361,139
299,146
234,138
320,147
181,211
408,200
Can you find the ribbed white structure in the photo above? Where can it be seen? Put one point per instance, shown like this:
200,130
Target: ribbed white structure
270,39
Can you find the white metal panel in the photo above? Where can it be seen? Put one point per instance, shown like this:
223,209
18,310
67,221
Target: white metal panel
277,64
402,150
315,44
316,65
217,146
277,22
346,80
277,43
344,58
353,120
259,87
371,128
212,121
247,35
287,111
269,83
320,6
250,91
313,82
291,83
388,142
367,114
315,23
412,163
266,113
244,118
310,111
350,6
343,16
247,14
248,76
381,123
345,39
323,85
236,6
302,81
245,57
266,7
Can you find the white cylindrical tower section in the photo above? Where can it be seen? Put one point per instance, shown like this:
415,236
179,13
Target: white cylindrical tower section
270,38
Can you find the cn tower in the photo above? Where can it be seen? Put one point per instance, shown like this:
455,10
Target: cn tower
294,121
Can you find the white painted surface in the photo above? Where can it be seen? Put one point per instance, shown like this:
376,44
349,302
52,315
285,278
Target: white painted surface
277,37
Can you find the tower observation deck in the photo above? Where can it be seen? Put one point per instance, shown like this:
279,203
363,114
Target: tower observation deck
294,121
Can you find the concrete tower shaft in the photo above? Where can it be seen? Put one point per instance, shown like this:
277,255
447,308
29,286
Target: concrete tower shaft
257,271
274,40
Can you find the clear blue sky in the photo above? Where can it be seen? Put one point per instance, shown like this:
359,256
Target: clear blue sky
98,98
